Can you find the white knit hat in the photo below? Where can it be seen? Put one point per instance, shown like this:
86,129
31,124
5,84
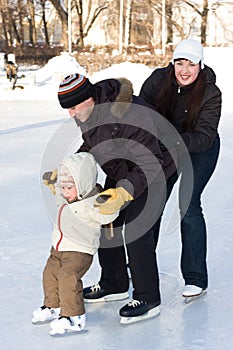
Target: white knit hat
65,178
191,50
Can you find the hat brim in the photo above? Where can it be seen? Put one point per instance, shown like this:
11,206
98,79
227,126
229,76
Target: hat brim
187,56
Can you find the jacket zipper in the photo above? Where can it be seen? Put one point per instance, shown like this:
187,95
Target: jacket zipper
59,225
178,90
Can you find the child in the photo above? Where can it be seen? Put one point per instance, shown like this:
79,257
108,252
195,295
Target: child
75,240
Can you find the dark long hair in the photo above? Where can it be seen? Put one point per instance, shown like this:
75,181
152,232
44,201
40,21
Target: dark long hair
166,99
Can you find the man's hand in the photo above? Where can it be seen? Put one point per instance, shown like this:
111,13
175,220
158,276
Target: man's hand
49,179
111,200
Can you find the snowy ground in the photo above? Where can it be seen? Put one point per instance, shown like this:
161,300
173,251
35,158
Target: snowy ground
29,119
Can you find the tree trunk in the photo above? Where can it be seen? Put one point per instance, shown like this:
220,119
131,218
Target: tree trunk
46,34
204,19
20,30
63,15
4,25
168,16
31,20
128,22
79,9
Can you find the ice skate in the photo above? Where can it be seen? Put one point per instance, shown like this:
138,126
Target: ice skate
63,324
136,311
45,314
96,294
192,292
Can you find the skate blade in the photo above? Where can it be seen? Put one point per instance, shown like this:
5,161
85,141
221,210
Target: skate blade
151,313
39,322
58,332
110,297
55,332
188,300
36,320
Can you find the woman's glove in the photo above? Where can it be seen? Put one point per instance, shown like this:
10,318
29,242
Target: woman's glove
111,200
49,179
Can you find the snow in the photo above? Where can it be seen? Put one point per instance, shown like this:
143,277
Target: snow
30,118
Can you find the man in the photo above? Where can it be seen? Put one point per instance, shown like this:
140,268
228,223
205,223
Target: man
121,132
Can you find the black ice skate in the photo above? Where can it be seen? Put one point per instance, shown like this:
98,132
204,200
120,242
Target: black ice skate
96,294
137,310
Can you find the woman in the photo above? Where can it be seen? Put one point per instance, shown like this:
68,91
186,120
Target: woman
185,93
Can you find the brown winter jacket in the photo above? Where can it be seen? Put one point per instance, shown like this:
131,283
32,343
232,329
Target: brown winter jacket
121,133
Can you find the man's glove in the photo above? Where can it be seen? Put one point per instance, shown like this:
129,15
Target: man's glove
49,179
111,200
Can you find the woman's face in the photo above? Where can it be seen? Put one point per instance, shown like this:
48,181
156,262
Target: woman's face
186,72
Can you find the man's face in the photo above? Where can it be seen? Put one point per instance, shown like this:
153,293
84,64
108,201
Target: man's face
83,110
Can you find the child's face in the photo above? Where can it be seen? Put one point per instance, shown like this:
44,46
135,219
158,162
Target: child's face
70,193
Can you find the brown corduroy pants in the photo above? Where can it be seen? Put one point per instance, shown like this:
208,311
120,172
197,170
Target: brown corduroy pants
62,281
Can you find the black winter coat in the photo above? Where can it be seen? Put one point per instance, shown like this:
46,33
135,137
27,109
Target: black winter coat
206,127
120,133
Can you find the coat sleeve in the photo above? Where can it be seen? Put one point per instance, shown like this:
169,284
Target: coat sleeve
86,213
101,218
149,87
204,134
145,152
84,147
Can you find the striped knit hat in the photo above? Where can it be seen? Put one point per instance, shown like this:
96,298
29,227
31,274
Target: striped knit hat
74,89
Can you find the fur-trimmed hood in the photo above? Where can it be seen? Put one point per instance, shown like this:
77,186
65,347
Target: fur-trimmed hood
119,91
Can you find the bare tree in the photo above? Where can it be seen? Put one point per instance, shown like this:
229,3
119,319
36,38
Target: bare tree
13,23
128,19
31,21
4,21
93,12
63,15
21,13
44,21
85,24
142,20
203,13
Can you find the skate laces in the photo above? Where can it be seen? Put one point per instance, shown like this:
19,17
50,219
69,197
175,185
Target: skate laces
52,310
45,307
95,288
63,319
73,322
134,303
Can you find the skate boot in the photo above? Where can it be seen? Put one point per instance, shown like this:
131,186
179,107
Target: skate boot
192,292
65,323
137,310
95,294
45,314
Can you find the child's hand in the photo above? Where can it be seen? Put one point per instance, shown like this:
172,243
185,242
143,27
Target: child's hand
49,179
